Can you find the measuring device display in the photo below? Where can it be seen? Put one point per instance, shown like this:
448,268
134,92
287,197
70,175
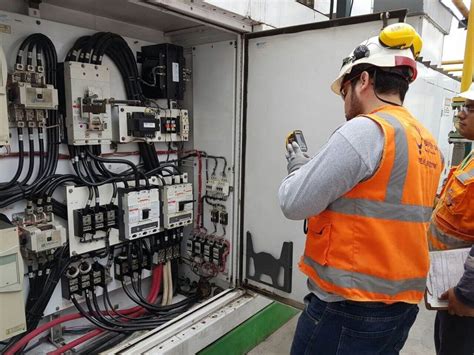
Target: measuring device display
297,136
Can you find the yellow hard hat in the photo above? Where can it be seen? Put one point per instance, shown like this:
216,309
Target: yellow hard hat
397,45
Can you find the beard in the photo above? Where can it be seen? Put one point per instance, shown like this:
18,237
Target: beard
355,107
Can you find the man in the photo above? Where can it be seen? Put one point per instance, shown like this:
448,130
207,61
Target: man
452,226
367,196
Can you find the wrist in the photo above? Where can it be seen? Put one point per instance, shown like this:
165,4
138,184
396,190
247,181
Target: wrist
462,298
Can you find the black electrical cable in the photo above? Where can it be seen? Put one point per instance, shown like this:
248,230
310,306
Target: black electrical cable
90,318
31,157
21,159
41,149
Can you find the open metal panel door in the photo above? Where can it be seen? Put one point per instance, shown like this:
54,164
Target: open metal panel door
287,77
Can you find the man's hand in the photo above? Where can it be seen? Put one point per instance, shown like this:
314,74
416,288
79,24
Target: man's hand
455,306
295,157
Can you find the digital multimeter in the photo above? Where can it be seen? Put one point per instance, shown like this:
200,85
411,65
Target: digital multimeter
297,136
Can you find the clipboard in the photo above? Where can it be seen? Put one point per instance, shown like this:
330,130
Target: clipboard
446,269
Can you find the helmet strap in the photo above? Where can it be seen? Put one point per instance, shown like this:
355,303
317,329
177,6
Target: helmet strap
378,97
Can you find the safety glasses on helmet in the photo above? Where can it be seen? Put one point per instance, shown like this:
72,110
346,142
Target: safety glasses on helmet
467,109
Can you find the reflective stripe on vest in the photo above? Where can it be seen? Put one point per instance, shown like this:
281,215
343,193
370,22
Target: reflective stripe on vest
391,208
448,241
466,176
381,209
364,282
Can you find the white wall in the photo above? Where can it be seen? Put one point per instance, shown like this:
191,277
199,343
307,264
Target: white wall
275,13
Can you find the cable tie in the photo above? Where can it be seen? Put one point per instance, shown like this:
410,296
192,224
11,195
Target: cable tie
53,126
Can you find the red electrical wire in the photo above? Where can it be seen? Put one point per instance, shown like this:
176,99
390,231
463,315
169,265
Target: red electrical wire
28,337
199,209
152,296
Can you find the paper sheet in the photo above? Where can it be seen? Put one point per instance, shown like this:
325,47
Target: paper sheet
447,268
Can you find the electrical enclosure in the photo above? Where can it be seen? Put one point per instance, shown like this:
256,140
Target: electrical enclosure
216,127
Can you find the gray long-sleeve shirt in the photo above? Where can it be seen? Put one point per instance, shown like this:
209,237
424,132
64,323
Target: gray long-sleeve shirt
351,155
465,289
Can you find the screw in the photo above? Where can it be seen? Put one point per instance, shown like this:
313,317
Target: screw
57,308
122,109
70,191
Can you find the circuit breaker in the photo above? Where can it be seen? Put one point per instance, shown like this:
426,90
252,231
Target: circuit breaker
88,114
139,212
177,205
12,309
136,124
4,134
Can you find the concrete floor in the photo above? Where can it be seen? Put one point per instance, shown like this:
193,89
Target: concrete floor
420,340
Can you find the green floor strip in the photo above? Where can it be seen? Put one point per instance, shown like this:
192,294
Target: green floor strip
252,332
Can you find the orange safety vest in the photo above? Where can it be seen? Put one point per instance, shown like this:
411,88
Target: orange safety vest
452,223
370,244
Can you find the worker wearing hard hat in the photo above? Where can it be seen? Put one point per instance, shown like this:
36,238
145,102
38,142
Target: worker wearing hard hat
367,197
452,226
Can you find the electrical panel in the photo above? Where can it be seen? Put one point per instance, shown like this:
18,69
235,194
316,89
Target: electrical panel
4,134
87,91
136,124
12,310
139,212
163,72
104,215
177,205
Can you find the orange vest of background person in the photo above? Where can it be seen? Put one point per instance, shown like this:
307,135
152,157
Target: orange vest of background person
452,223
370,244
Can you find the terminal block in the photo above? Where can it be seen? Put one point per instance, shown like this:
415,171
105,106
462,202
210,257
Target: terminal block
139,213
174,125
82,276
88,221
207,248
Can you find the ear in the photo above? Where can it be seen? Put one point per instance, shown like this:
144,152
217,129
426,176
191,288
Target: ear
364,80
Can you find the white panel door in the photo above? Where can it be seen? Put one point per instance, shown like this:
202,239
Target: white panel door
289,74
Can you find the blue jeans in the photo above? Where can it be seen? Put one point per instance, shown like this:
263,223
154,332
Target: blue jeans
352,327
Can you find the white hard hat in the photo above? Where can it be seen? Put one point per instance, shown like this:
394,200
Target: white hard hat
468,94
373,52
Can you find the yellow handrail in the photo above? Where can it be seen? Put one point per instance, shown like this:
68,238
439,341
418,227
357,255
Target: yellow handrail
468,54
